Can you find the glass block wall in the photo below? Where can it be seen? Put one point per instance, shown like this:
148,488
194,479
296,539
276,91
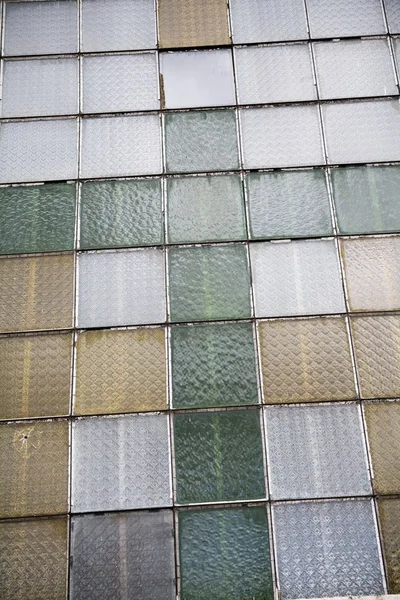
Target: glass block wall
199,299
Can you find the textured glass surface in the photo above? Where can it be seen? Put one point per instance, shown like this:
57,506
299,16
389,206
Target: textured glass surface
372,272
218,456
288,204
40,87
38,218
125,555
41,27
34,468
296,278
362,131
120,83
35,376
38,150
383,429
118,25
205,209
396,42
316,451
282,136
36,293
33,559
274,74
368,72
338,18
224,554
120,371
209,282
121,288
117,146
120,463
213,365
121,213
393,15
306,360
267,21
389,513
201,141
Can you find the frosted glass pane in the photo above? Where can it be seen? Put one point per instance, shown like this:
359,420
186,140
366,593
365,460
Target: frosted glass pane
338,18
393,15
396,45
296,278
121,288
389,512
281,137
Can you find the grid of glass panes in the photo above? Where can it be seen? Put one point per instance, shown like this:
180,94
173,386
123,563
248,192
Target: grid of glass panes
199,296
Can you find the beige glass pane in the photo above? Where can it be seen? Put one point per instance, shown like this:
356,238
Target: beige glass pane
383,428
35,376
120,371
305,360
34,559
36,293
34,468
389,513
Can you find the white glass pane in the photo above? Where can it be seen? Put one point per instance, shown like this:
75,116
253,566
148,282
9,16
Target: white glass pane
340,18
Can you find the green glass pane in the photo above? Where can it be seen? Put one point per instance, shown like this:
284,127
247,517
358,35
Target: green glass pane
37,218
367,199
224,554
209,282
121,213
205,209
288,204
213,365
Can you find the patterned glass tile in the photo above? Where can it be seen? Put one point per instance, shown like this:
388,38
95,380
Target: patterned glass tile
372,272
38,150
209,282
393,15
305,360
383,427
288,204
120,463
35,376
34,468
230,464
121,213
213,365
282,136
205,209
389,513
125,555
118,25
296,278
225,555
121,288
120,83
337,18
120,146
38,218
36,293
274,74
120,371
33,559
201,141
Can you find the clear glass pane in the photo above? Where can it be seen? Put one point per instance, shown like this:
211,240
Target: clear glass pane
389,512
393,15
338,18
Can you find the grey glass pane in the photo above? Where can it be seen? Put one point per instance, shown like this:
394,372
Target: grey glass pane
296,278
202,209
267,21
393,15
396,44
327,549
316,451
120,83
367,199
281,137
41,27
201,141
274,74
38,150
125,555
362,131
197,78
118,25
120,146
288,204
120,463
338,18
209,282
